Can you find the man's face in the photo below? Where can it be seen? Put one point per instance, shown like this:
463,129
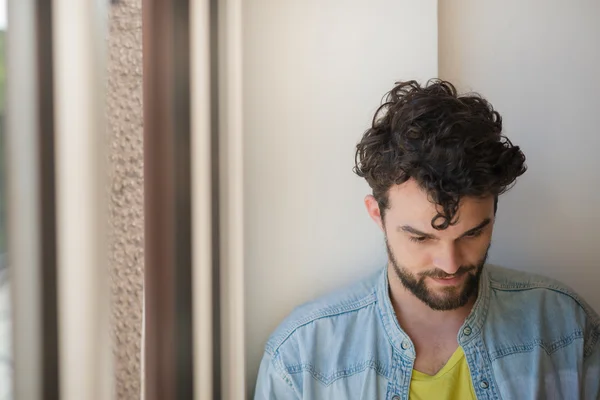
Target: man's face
441,268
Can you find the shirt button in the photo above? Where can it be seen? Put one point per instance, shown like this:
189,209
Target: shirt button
405,345
484,384
396,397
467,331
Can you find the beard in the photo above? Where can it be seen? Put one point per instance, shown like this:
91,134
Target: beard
451,297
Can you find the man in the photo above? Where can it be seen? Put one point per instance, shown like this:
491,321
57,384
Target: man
436,323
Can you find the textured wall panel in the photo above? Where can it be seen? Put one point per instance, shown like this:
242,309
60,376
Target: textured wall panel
126,192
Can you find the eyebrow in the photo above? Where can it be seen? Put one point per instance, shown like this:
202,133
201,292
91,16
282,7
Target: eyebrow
414,231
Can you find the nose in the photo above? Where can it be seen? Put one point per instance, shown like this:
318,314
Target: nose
448,259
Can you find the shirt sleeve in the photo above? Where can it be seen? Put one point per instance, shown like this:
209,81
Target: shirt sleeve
273,382
591,374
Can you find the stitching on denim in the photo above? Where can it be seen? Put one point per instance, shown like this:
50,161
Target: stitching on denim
593,318
549,348
486,354
522,286
280,368
388,334
327,380
482,317
589,348
326,313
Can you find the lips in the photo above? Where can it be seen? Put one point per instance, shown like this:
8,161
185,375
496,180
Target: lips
450,281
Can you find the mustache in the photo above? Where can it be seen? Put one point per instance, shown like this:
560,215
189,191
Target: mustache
439,274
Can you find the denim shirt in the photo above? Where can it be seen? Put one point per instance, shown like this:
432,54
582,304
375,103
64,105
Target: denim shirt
527,337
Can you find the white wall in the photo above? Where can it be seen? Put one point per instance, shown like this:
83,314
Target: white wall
538,62
314,73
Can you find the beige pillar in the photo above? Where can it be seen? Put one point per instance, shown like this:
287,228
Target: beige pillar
124,108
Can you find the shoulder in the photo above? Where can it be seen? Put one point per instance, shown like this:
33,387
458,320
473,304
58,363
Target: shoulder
338,305
519,293
514,281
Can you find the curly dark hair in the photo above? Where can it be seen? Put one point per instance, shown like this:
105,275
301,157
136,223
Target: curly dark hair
451,145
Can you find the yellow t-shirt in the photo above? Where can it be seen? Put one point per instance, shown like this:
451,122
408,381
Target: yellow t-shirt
452,382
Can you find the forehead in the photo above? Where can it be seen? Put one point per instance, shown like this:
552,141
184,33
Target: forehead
410,205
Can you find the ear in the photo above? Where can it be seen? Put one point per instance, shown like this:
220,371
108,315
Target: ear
374,211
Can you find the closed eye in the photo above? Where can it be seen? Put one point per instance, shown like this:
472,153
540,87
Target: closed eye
473,234
419,239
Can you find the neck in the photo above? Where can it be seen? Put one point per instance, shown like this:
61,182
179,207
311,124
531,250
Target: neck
411,311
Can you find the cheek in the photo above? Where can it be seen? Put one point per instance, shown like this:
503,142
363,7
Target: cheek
473,251
412,256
